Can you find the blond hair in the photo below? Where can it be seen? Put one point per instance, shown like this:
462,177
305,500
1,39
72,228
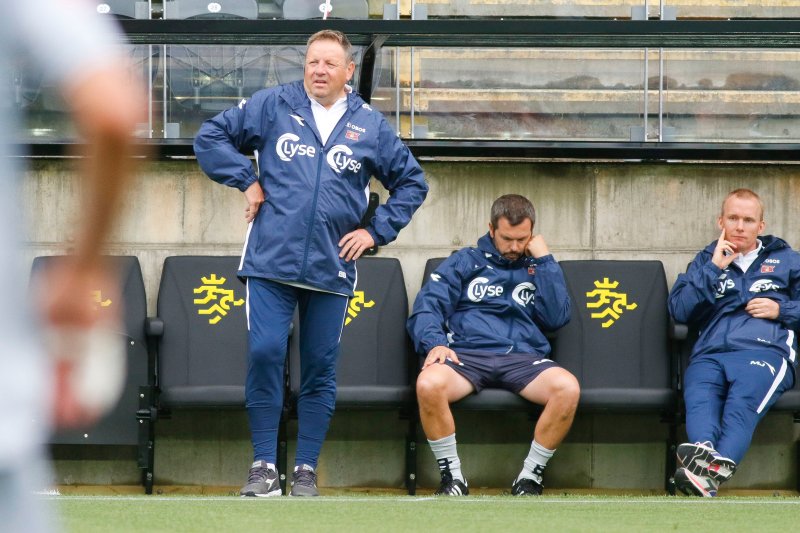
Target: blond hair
743,194
335,36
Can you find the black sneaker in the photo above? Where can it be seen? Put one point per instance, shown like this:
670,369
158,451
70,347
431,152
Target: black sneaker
262,481
450,486
701,459
526,487
304,481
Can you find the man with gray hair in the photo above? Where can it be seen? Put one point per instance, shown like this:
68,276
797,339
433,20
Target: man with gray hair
318,144
479,322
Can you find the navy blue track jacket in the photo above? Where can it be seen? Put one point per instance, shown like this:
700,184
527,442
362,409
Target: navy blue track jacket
479,300
314,192
713,301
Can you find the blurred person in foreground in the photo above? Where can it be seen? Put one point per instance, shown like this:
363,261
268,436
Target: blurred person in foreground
742,294
77,49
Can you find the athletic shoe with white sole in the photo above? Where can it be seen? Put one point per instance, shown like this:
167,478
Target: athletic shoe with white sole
526,487
701,459
450,486
693,485
304,481
262,482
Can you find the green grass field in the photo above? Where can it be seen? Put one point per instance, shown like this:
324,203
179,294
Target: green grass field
390,513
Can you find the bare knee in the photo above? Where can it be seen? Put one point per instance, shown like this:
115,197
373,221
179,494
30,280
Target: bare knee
431,387
565,392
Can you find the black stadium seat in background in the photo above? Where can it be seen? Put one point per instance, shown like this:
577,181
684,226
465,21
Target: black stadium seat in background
374,368
617,344
218,9
120,426
124,9
201,339
310,9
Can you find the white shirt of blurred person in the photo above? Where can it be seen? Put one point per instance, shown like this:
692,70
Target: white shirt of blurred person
76,48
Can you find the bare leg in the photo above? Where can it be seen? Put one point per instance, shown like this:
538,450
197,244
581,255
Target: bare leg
558,391
437,387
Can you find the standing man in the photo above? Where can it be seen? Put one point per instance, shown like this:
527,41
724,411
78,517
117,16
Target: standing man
318,143
742,293
77,49
480,322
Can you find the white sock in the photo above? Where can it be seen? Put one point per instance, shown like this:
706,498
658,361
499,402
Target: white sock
534,464
444,450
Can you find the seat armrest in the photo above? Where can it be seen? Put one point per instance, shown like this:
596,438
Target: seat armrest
677,330
154,326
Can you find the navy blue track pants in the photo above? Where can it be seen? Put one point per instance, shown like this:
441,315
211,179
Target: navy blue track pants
270,306
727,394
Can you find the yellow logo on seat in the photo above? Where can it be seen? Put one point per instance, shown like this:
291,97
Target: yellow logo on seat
356,302
220,298
613,303
97,297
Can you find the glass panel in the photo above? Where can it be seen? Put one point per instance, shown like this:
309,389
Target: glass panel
386,90
45,113
732,95
608,8
577,95
744,9
203,80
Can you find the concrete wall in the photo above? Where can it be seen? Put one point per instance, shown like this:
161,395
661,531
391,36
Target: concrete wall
585,210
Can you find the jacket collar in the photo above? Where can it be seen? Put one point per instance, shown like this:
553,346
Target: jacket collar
295,95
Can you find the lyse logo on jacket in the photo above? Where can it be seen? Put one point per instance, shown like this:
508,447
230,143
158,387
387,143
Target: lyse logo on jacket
287,147
339,159
764,285
479,288
723,284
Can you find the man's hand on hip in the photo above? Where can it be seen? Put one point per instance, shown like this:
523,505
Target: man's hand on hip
254,195
355,243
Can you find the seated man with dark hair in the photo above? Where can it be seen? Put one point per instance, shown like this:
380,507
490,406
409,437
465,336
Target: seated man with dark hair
742,293
479,321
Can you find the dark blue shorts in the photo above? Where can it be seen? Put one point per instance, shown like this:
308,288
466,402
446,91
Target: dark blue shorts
510,371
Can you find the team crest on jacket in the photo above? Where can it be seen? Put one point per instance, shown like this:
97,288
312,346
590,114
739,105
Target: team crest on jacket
523,293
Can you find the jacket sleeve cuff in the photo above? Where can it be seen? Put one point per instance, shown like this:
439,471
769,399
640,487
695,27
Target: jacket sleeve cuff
544,259
375,236
251,179
430,345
